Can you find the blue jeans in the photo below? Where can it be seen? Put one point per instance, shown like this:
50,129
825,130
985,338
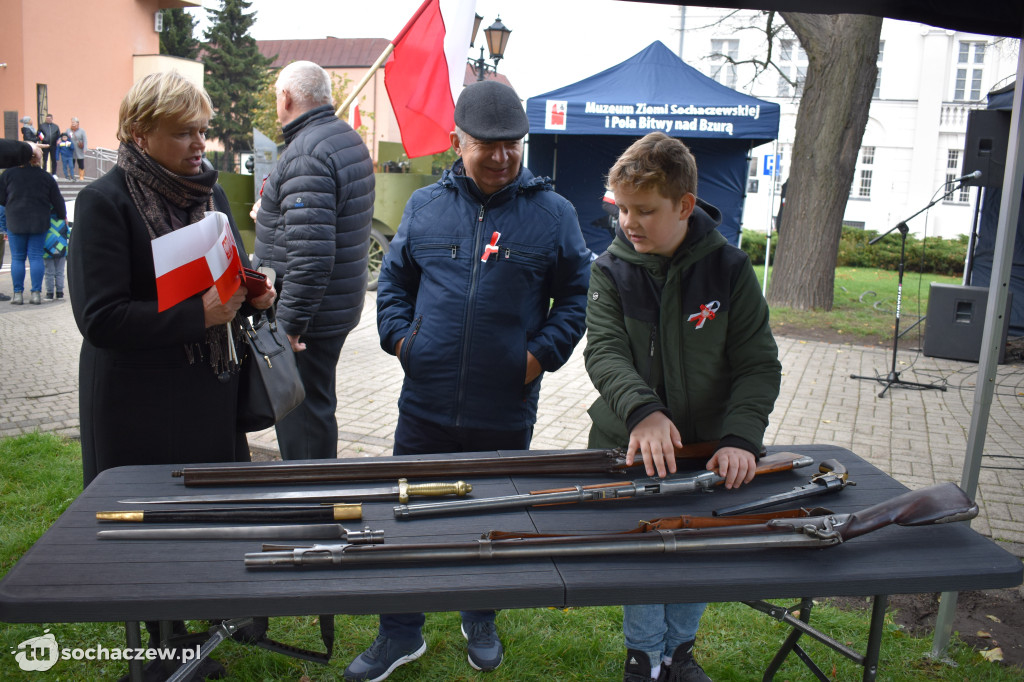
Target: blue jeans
657,629
415,436
26,246
68,166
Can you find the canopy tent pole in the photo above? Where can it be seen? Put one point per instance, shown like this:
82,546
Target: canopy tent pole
988,362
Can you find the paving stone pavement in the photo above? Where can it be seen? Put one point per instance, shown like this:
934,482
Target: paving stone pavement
917,436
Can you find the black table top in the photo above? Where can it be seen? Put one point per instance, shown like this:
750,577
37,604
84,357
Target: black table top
70,576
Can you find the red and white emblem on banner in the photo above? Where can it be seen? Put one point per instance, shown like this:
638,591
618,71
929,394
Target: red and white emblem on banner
707,312
554,114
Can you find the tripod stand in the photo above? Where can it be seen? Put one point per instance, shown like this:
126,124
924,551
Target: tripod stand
893,378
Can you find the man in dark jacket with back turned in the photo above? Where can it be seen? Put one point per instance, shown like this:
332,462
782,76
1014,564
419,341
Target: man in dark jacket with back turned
484,289
313,229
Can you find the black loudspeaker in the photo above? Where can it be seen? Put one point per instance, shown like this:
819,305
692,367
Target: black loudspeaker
956,322
988,135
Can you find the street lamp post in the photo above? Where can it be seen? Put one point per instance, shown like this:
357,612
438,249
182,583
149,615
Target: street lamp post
496,36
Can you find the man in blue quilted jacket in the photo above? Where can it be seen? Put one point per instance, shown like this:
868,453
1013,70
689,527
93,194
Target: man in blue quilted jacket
313,229
482,291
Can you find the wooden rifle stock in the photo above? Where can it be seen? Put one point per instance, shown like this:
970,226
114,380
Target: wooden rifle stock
540,464
942,503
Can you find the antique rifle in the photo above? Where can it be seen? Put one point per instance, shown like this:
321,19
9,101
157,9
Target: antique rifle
644,487
274,513
537,464
943,503
831,477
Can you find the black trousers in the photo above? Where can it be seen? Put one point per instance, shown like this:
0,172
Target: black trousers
415,436
310,431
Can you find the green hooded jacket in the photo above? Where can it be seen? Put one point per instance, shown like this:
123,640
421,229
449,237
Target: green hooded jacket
686,335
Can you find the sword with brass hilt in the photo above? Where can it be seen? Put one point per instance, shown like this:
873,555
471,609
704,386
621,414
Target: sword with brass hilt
403,491
270,513
831,477
313,531
644,487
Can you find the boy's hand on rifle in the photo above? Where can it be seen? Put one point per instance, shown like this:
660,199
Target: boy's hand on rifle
736,466
657,439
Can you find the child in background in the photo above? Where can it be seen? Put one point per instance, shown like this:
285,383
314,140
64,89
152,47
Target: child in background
55,257
679,348
66,152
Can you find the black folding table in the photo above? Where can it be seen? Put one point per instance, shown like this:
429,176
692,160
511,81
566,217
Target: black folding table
70,576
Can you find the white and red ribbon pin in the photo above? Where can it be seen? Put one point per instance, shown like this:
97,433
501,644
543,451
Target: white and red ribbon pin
707,312
492,247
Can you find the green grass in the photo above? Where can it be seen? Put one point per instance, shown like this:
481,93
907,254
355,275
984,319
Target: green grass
40,474
864,304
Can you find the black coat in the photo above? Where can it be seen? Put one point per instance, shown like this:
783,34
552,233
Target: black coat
140,401
313,226
29,195
50,133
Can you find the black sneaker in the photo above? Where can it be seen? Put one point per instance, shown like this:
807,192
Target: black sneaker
638,667
4,297
383,656
483,645
49,295
60,294
683,668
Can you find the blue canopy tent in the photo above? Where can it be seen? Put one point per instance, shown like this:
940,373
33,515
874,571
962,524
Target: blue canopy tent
577,132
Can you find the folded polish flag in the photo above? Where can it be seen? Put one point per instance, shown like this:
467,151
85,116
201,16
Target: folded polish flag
427,71
194,258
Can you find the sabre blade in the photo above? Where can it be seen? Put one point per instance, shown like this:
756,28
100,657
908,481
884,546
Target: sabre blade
314,531
327,495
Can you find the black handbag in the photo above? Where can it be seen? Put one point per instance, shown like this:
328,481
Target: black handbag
270,386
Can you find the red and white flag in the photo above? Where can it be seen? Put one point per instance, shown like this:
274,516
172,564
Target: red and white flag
354,119
194,258
426,71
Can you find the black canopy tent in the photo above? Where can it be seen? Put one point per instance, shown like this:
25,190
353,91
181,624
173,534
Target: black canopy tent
990,17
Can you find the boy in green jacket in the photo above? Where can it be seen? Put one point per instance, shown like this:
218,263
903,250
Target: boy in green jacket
680,350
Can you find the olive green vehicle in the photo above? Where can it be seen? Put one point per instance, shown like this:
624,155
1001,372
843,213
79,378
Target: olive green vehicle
392,192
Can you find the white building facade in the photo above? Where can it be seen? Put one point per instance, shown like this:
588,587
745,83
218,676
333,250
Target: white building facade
929,80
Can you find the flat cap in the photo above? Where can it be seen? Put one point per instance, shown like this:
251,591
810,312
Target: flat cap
489,110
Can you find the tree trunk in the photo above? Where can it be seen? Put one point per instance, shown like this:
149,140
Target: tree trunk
842,53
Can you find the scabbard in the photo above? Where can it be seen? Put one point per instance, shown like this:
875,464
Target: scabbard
542,464
264,514
315,531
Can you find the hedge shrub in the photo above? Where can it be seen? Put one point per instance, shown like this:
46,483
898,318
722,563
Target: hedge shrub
933,254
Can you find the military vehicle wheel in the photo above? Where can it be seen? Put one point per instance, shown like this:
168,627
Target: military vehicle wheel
378,249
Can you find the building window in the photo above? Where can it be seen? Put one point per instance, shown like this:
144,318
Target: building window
724,54
865,173
792,69
752,167
878,79
969,65
962,195
752,185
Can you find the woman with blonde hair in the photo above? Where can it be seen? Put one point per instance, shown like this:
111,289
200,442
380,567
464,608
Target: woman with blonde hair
155,387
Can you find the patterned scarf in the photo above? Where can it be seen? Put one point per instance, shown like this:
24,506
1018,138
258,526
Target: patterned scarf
157,192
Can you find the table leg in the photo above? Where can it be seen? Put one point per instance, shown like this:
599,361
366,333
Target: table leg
133,640
875,637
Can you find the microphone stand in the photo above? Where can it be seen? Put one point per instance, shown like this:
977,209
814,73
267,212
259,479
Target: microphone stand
893,378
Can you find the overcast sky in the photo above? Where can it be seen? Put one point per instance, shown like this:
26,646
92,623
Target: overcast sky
553,42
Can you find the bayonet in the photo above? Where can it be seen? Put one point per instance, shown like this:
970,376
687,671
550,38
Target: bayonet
314,531
644,487
831,477
943,503
402,492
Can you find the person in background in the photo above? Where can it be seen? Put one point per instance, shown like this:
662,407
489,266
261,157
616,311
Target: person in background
29,194
66,154
49,133
313,230
55,256
16,152
482,291
3,243
28,133
80,144
680,351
